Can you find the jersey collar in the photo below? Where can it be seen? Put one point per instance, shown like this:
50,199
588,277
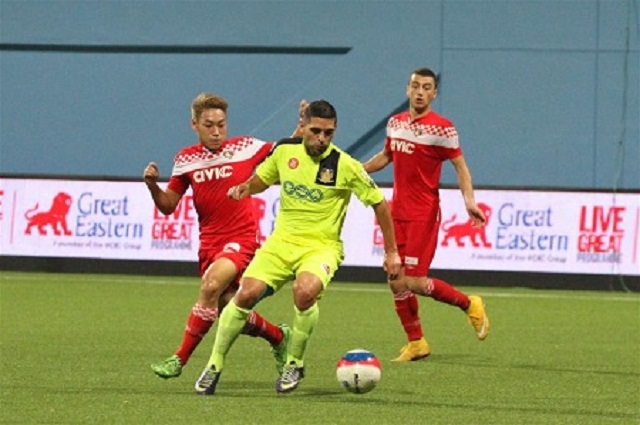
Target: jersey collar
326,153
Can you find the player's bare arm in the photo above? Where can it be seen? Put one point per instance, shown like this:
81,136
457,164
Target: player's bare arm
378,161
166,201
466,187
250,187
392,262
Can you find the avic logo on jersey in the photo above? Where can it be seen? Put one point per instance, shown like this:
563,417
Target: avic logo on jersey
213,173
402,146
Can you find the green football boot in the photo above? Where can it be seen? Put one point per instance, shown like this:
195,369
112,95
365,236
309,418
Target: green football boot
280,352
168,368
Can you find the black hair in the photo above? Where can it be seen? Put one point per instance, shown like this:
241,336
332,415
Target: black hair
426,72
320,109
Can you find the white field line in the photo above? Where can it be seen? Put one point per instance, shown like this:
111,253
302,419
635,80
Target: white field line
603,297
334,286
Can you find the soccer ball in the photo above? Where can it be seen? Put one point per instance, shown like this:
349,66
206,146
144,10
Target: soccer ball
359,371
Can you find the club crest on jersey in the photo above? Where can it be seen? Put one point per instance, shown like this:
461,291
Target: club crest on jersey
293,163
228,154
328,169
326,268
326,176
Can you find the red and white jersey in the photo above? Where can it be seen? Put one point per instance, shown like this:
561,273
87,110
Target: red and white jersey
210,175
418,148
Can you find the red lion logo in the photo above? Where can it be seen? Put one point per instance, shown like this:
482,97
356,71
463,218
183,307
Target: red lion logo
467,230
56,217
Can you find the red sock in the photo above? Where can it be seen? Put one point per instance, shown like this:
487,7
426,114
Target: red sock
258,326
441,291
198,324
407,310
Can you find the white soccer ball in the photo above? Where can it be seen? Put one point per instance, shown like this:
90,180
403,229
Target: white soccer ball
359,371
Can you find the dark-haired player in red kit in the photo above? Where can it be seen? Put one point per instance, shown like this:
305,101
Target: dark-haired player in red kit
418,142
228,228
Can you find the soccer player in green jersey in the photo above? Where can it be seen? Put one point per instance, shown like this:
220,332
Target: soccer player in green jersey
316,182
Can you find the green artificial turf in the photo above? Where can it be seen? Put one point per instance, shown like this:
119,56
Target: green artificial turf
76,348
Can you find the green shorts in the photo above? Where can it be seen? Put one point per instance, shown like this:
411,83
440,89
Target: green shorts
278,262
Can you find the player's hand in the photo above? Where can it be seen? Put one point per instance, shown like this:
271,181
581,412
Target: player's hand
151,173
238,192
392,264
476,215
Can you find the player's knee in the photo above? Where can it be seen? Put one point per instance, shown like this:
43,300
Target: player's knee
211,288
305,296
398,286
418,285
244,300
304,302
249,293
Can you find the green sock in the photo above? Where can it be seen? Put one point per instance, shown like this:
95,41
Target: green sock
230,325
303,324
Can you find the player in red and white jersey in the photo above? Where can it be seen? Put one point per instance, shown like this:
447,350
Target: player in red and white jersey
228,229
210,174
418,142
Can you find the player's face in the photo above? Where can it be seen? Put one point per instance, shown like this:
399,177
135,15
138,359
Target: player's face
421,91
211,128
317,135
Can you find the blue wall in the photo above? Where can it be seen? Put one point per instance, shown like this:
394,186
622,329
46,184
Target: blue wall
544,93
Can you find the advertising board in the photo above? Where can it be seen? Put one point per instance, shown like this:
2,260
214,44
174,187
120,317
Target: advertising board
537,231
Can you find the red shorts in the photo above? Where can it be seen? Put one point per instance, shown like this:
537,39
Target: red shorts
239,250
417,242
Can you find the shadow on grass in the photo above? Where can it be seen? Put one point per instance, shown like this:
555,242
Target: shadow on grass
475,361
234,390
413,400
418,401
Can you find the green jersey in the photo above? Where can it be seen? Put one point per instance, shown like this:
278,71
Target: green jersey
315,191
